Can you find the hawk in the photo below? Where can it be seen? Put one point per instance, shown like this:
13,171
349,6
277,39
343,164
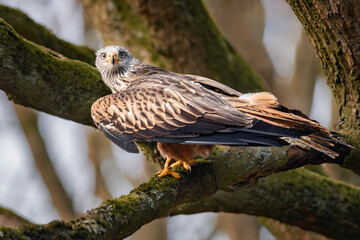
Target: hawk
187,114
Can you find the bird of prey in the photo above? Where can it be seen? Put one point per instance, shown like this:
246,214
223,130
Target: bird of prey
187,115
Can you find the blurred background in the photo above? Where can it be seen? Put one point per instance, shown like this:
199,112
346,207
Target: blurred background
52,168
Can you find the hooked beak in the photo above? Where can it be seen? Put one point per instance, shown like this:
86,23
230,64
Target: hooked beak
112,58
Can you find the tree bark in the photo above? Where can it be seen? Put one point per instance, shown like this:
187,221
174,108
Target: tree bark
333,28
297,208
120,217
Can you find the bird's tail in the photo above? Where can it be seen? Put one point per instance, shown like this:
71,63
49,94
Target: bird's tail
265,107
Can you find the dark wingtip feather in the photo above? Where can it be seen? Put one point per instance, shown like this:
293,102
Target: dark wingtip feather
124,143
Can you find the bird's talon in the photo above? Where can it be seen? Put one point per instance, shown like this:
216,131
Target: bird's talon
167,171
186,165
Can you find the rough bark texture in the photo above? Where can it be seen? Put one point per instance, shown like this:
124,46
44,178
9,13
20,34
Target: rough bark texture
334,29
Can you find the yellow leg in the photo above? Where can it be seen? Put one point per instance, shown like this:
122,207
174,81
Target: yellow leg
167,171
186,164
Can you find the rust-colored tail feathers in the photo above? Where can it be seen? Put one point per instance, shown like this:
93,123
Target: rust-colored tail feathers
265,107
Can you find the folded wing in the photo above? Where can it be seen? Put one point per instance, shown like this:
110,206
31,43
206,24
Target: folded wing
162,109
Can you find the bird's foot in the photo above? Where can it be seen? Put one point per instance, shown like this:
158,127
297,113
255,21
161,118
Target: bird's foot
167,171
186,164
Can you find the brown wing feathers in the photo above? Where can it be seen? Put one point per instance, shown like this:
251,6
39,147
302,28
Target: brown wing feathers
156,112
201,111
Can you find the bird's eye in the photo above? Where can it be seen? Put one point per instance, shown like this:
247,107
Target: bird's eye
103,56
122,55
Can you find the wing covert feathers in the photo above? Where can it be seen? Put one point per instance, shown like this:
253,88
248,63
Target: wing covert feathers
148,113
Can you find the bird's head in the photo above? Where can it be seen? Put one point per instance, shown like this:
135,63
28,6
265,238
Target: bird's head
114,63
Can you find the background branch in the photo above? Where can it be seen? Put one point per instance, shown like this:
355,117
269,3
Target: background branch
195,46
62,201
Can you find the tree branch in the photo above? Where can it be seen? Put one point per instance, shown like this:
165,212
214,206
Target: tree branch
46,81
10,219
333,28
37,33
296,208
196,46
61,200
120,217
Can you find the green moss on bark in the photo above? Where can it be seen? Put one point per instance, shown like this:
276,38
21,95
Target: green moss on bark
120,217
36,33
45,81
334,32
312,204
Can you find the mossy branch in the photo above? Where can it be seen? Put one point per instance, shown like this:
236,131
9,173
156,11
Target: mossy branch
37,33
298,207
333,28
120,217
41,79
10,219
